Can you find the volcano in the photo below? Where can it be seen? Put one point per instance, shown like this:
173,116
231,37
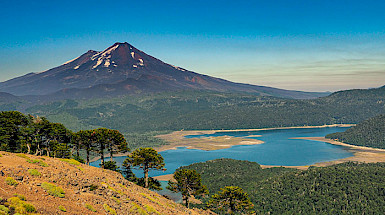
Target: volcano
122,69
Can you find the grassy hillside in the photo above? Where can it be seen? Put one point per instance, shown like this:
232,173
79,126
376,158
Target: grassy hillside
43,185
210,110
370,133
348,188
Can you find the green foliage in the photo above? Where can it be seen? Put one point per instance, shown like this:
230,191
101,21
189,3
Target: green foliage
146,159
199,110
38,162
127,171
34,172
71,161
188,183
53,190
153,184
111,165
21,206
21,197
62,208
62,150
28,134
116,200
10,181
4,210
347,188
11,130
90,207
219,173
23,156
78,158
108,209
147,139
370,133
151,210
135,208
231,199
93,187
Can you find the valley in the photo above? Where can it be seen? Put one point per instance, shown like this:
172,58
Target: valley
120,101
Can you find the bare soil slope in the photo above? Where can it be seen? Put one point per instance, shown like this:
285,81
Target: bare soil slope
87,190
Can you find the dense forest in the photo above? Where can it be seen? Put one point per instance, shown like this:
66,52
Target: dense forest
228,172
348,188
194,110
369,133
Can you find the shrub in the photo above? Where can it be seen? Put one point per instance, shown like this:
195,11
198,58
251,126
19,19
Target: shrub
62,208
3,209
21,197
109,209
116,200
151,210
71,161
78,158
93,187
89,207
38,162
21,206
34,172
11,182
137,209
53,190
22,156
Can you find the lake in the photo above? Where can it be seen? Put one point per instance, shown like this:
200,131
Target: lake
278,149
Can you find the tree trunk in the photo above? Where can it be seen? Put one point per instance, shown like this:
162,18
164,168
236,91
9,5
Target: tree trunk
88,157
102,158
77,150
145,177
232,206
29,148
111,155
187,203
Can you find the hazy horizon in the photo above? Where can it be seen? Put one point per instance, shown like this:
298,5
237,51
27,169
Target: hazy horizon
296,45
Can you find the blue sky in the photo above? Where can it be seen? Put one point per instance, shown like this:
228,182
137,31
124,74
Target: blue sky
310,45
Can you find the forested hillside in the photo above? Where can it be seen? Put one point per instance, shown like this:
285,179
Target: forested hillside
370,133
229,172
348,188
192,110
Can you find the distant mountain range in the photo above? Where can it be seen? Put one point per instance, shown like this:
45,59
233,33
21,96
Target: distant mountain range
122,69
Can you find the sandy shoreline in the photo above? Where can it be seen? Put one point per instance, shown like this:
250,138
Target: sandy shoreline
177,138
360,153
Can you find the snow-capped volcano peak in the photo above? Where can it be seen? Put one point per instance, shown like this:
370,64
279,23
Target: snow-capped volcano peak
119,53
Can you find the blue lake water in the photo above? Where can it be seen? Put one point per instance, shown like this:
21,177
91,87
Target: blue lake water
278,149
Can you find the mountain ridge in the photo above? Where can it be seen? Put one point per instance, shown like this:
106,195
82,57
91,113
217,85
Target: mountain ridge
122,69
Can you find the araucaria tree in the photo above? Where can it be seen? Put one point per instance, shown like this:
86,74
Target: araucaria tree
110,140
189,183
231,199
146,159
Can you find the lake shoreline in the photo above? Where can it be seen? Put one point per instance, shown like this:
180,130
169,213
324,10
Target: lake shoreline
177,139
361,154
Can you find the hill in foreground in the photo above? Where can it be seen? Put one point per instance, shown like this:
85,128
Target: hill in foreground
348,188
51,186
369,133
